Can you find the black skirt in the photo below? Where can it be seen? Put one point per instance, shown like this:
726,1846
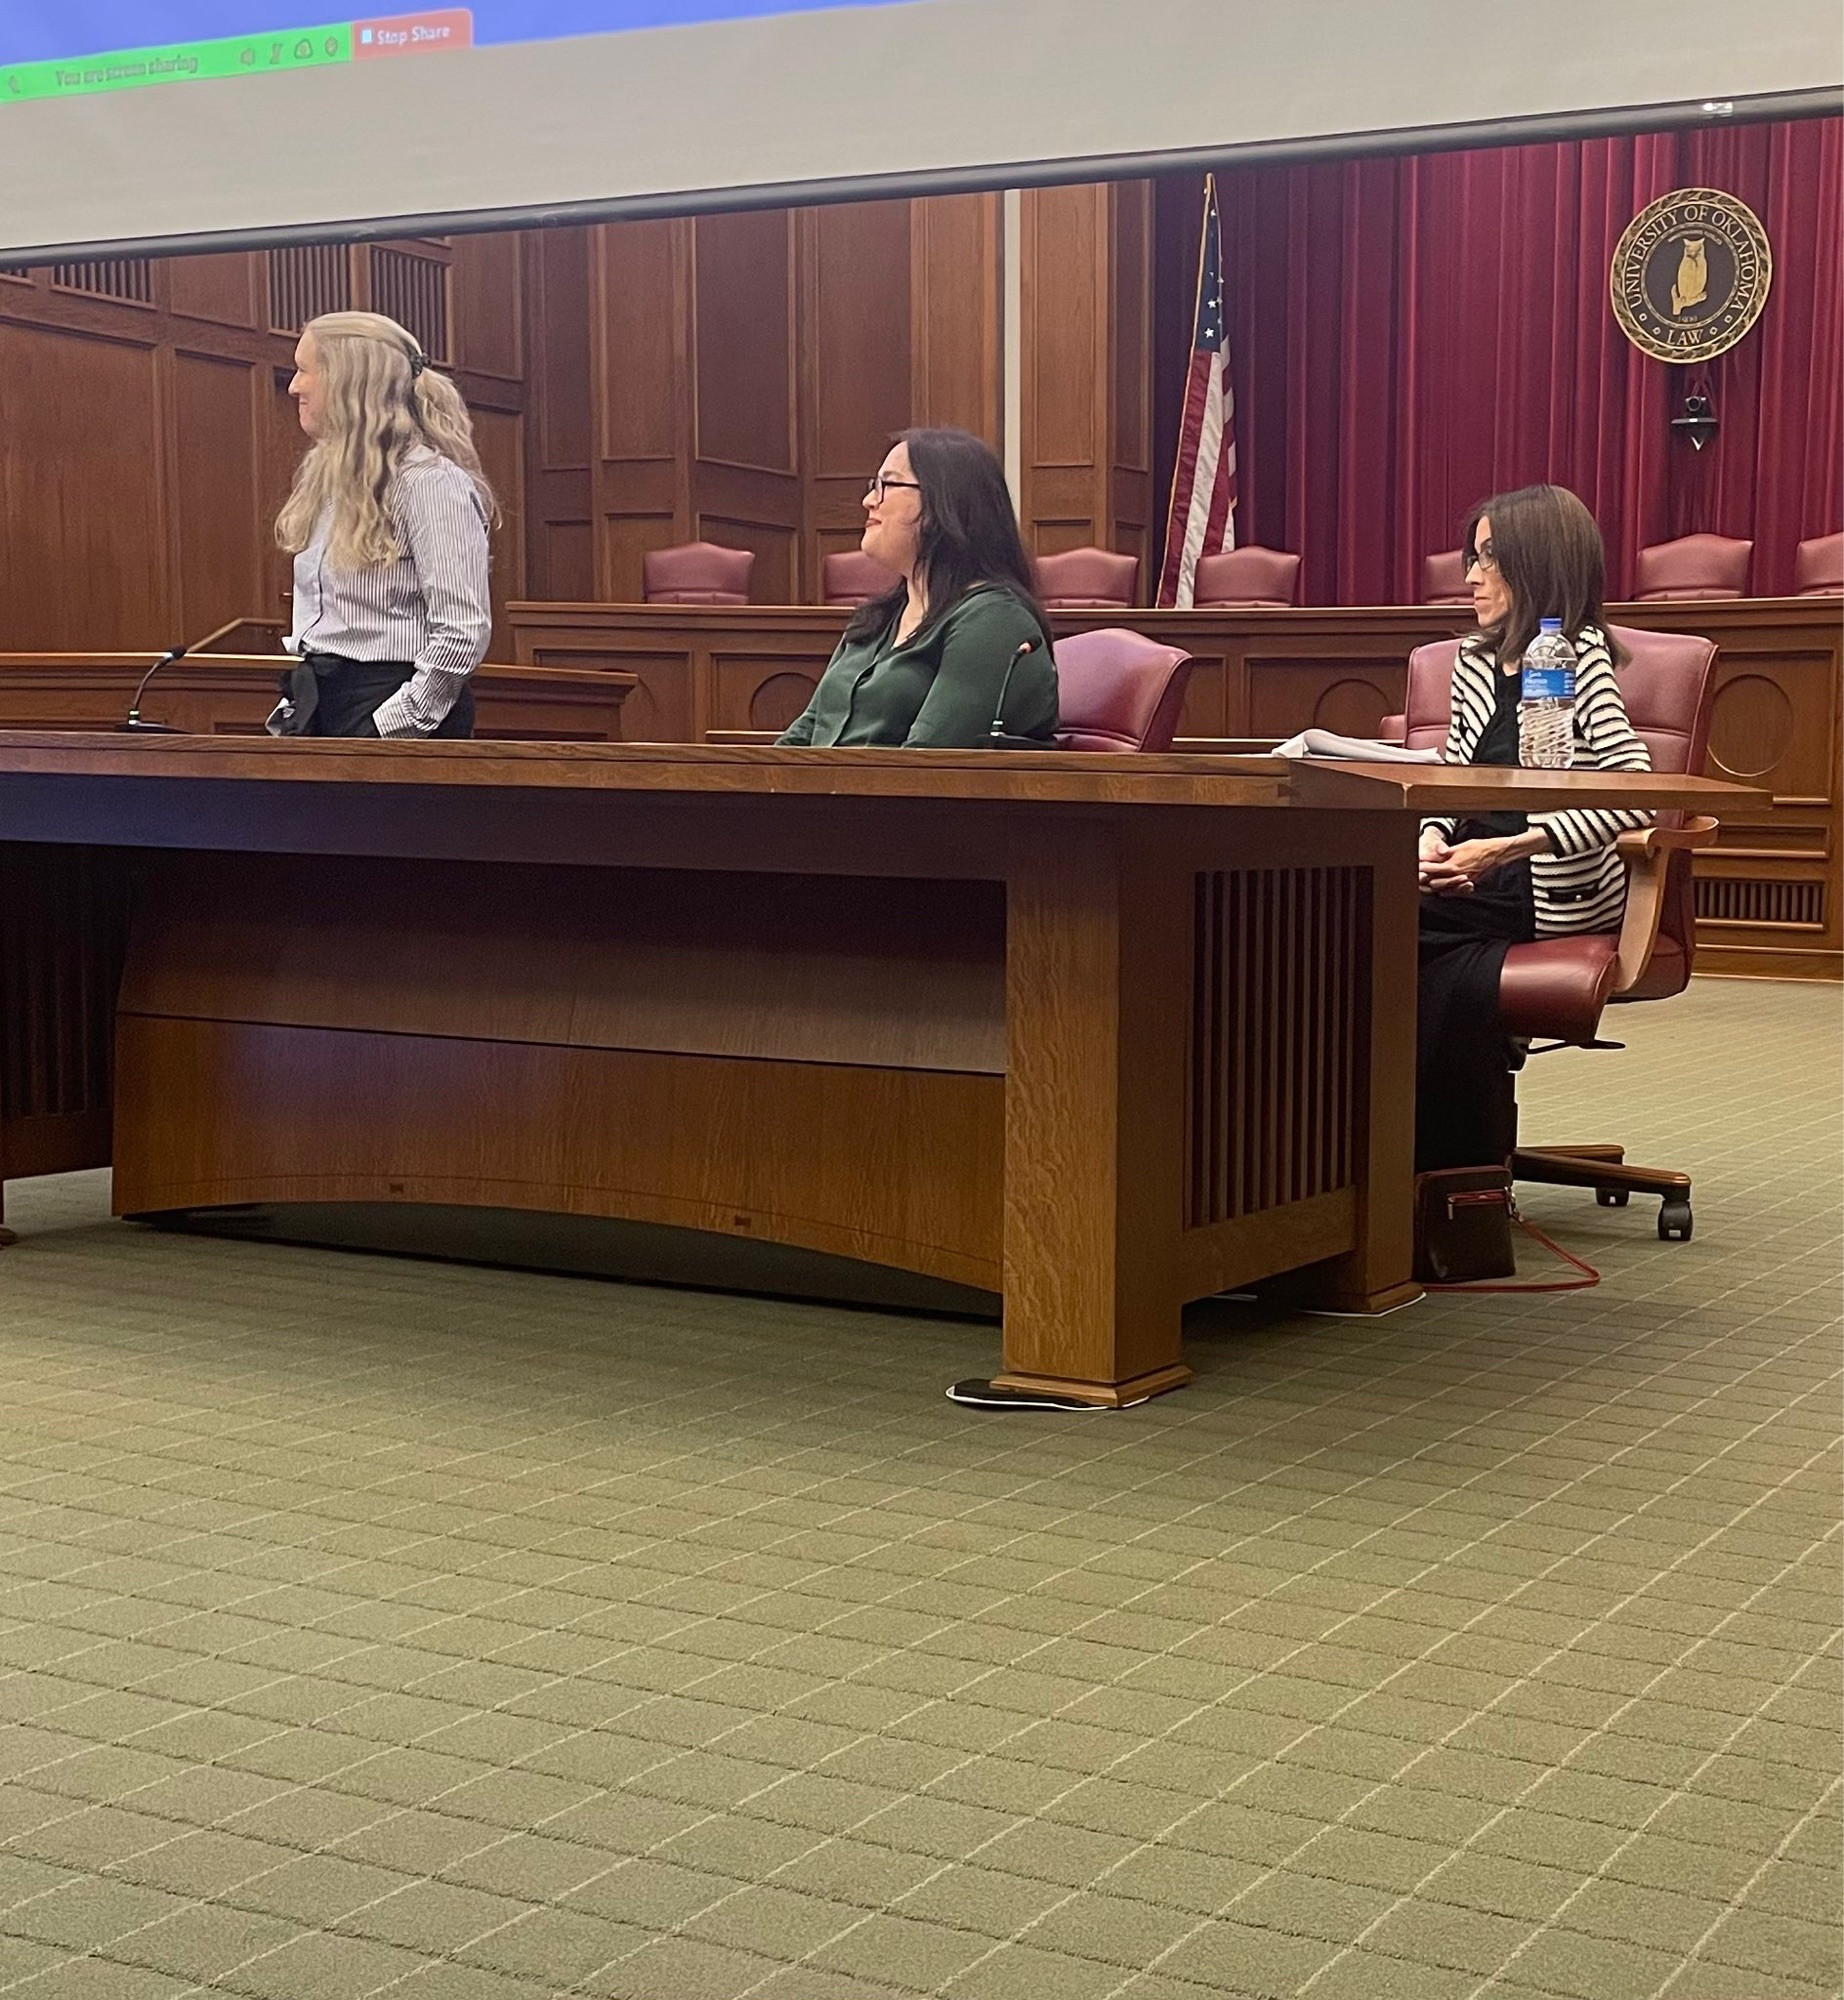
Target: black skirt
1464,1104
1465,1108
328,695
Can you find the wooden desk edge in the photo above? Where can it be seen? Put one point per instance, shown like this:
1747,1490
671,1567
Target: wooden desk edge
594,680
1047,776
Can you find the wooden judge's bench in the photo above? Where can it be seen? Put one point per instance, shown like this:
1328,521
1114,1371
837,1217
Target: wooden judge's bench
216,693
1770,897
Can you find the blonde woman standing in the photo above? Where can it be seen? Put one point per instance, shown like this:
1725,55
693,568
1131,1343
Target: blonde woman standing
387,522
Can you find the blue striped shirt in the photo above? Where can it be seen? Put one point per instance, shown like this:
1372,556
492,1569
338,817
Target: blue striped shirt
431,607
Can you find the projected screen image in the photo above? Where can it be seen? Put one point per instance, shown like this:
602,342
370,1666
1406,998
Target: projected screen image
47,50
408,117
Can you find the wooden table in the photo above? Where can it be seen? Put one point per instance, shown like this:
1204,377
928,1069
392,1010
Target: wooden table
220,694
1770,896
1104,1034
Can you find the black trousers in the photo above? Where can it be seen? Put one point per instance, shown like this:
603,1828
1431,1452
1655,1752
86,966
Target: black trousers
327,695
1465,1105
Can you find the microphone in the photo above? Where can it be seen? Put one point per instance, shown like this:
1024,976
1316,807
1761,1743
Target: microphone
132,723
996,735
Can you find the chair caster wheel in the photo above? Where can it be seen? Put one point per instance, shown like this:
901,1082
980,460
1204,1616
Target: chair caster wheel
1674,1222
1611,1197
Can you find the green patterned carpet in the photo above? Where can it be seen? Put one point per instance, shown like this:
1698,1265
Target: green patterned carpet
371,1627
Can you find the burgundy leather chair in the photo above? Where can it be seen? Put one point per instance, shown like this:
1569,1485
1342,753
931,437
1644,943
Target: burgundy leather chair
849,577
1246,579
1087,580
1118,690
1443,579
1698,566
1554,990
697,573
1818,569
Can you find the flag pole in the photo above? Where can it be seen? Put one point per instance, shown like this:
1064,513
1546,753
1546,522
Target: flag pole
1197,304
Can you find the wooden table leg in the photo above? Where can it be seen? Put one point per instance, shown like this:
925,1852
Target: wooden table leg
1379,1273
62,921
1097,986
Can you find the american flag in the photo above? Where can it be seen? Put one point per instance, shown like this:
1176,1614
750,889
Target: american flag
1202,516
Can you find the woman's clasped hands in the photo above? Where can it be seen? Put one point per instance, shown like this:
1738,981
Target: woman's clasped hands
1445,870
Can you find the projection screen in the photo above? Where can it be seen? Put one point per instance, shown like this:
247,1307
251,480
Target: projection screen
193,124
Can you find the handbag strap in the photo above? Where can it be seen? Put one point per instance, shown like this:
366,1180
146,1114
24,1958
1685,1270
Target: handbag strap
1591,1275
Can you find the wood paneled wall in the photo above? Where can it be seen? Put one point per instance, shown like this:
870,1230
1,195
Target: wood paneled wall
1087,332
735,378
729,377
147,437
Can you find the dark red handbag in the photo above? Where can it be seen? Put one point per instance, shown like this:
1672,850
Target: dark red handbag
1463,1225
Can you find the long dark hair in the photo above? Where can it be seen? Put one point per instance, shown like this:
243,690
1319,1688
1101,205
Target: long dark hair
969,530
1550,554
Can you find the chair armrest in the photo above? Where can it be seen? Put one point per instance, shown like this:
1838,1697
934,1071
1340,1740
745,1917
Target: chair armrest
1393,729
1647,855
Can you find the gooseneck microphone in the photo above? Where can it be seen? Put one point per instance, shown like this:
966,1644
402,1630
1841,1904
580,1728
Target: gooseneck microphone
132,721
997,735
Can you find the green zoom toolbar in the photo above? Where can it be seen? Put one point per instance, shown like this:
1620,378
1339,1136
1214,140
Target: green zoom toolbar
177,62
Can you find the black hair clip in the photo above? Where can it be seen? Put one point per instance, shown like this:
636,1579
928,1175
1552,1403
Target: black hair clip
418,362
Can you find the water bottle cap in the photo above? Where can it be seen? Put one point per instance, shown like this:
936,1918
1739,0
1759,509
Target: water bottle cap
1549,624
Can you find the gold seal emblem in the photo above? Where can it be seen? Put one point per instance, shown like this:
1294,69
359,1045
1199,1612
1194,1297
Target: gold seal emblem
1690,275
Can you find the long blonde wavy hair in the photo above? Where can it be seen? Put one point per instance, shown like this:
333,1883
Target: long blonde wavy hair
382,400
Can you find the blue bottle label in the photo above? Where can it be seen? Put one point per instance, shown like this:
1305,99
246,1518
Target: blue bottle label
1549,684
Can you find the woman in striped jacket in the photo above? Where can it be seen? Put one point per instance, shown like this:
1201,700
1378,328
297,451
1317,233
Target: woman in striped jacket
1498,879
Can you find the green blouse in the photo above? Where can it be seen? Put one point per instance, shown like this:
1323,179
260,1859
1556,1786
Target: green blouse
939,689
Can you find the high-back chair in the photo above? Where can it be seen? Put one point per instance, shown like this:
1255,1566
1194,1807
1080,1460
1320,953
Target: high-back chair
697,573
1087,580
1443,579
1555,989
1249,579
1818,567
1118,690
1696,566
848,578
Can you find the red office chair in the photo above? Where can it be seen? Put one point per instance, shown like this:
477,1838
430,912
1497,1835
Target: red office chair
1443,579
1554,990
1087,580
697,573
1818,569
1698,566
1246,579
1118,690
849,578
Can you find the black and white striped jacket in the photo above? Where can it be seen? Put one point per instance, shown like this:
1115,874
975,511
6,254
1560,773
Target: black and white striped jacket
1582,885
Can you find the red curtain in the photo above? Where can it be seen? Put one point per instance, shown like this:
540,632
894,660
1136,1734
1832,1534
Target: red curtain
1412,334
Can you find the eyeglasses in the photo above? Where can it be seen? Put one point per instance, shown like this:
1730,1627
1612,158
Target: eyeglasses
1482,559
881,484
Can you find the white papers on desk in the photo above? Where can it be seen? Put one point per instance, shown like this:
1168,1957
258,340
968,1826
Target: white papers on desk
1352,749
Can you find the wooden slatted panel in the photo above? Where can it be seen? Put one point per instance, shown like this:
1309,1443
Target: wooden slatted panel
130,279
305,281
60,965
1275,1051
413,290
1742,899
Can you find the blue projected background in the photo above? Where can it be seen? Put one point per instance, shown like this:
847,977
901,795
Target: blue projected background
52,50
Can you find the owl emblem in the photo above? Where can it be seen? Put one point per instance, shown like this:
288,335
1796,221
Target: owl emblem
1692,284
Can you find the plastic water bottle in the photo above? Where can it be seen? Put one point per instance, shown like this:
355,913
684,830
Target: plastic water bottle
1546,702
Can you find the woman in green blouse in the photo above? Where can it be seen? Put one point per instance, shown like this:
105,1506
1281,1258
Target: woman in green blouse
956,653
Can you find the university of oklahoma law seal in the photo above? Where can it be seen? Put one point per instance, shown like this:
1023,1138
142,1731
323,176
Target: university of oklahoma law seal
1690,275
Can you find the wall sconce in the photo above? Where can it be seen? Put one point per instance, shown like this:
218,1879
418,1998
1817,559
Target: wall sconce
1699,422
